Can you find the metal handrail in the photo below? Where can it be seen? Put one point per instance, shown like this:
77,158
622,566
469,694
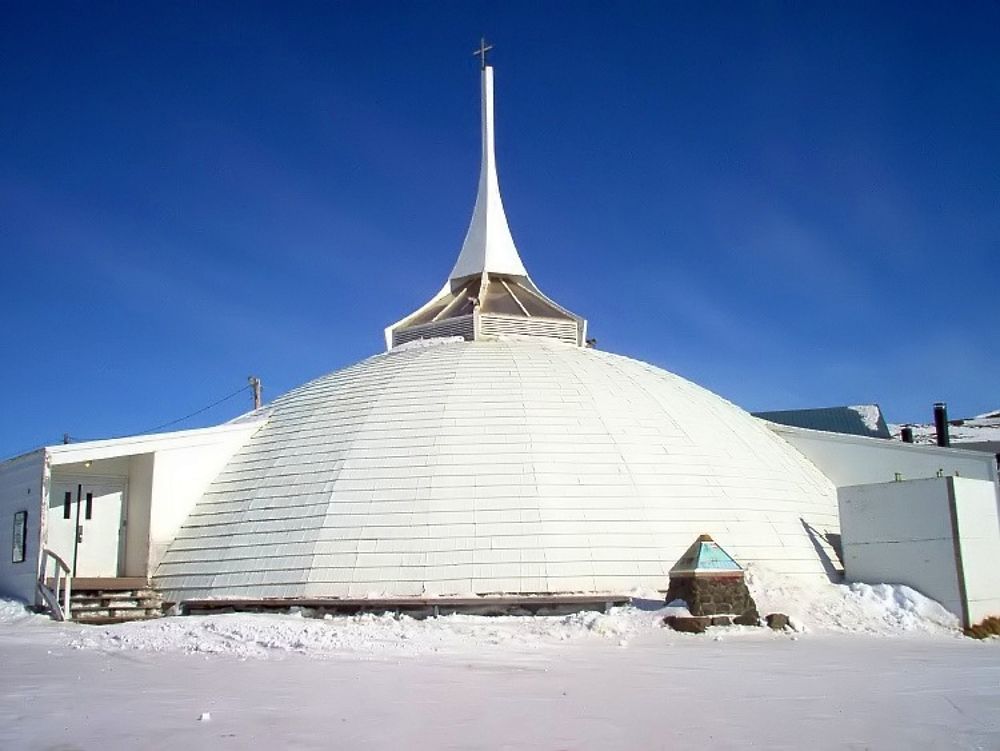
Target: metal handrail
57,597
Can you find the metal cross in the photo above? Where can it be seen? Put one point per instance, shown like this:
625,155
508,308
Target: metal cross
481,52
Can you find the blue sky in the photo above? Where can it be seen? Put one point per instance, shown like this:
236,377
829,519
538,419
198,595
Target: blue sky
791,204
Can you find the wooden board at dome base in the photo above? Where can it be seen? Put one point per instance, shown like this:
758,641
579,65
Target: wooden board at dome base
416,607
110,583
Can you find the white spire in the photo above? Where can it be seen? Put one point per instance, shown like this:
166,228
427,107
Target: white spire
488,293
488,244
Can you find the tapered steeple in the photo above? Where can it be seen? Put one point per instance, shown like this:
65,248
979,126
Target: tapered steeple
488,293
488,244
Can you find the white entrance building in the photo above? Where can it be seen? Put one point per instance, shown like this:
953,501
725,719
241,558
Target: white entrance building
106,509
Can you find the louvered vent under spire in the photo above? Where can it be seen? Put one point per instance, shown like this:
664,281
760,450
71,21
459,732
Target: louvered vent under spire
489,292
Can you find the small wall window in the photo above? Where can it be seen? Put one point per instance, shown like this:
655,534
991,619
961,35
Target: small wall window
67,505
20,536
89,508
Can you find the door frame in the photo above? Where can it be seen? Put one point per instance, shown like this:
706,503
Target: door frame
74,479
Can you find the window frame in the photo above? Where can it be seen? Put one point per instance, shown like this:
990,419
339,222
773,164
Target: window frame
20,530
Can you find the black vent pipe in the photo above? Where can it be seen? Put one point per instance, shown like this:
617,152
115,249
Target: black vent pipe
906,434
941,424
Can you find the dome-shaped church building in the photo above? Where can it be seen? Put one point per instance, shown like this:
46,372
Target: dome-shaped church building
490,460
491,451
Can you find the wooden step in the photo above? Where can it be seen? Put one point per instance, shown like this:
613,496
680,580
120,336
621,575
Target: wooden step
101,605
107,619
110,583
115,592
80,615
88,598
94,608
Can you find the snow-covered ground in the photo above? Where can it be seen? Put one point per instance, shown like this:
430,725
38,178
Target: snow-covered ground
979,429
865,667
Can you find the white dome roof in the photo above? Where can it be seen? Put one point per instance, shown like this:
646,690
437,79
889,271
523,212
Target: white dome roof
495,467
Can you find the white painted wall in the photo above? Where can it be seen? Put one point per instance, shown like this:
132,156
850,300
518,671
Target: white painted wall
122,448
117,466
166,474
21,489
901,533
180,476
940,536
979,543
858,460
140,499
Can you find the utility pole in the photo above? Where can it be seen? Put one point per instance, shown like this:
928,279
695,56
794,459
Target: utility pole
258,391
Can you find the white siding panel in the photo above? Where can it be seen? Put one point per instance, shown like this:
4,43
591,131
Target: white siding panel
21,489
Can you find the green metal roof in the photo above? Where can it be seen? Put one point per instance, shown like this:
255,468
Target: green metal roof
703,557
865,420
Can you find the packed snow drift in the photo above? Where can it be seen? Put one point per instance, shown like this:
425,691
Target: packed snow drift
813,606
863,667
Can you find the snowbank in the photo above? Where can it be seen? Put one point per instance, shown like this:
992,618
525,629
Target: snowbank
258,635
813,606
882,609
14,611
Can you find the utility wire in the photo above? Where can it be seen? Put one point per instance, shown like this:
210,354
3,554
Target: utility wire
172,422
25,451
238,391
